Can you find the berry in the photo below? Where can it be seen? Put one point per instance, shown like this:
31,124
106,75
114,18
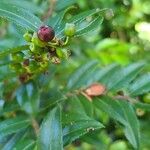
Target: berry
70,29
46,33
35,40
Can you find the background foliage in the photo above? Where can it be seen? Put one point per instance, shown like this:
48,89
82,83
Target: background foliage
111,47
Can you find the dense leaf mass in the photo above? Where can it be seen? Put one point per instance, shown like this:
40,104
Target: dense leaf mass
74,74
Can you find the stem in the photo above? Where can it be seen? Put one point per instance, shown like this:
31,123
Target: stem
35,125
50,10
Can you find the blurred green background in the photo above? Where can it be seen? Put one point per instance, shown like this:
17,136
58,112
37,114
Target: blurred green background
123,38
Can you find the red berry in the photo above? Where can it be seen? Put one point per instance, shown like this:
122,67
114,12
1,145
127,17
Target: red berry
46,33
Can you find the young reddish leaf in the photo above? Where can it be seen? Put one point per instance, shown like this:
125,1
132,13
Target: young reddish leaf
96,89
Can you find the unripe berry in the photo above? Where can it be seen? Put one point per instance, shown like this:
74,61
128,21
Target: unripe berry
70,29
46,33
146,98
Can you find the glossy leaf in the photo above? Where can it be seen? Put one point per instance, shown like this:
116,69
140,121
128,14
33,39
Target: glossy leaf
123,112
50,136
77,121
77,77
10,144
14,125
79,19
76,129
140,86
25,144
124,76
90,26
24,4
62,4
19,16
28,97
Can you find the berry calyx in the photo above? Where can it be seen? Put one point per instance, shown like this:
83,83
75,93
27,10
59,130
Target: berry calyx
46,33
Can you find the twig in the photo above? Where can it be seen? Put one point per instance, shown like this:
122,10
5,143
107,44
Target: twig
35,125
50,10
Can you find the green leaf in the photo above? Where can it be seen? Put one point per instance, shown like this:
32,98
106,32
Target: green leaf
62,4
28,97
75,129
76,120
6,52
2,102
19,16
77,77
25,144
86,104
78,19
10,144
50,136
123,77
8,108
57,21
101,74
49,99
90,26
29,5
132,130
123,112
142,106
140,86
14,125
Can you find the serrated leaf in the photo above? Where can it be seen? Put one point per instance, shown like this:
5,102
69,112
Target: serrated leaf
14,125
124,76
140,86
90,26
77,77
50,136
28,97
123,112
19,16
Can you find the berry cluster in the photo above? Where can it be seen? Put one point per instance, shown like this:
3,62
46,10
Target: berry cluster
44,48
